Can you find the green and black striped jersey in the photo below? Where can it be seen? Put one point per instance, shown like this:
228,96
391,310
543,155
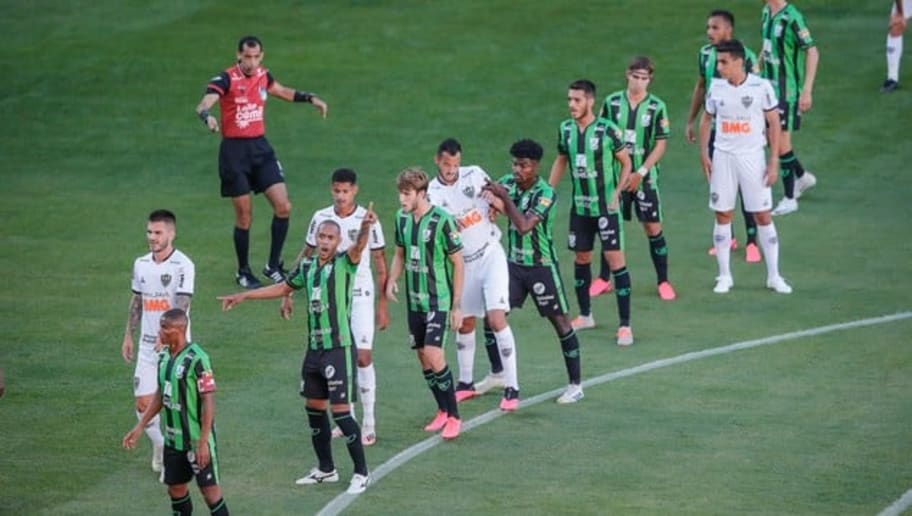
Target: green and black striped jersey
708,58
537,246
786,38
593,170
642,124
181,380
328,288
427,244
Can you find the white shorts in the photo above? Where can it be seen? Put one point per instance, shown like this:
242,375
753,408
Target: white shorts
907,9
747,171
487,281
145,378
362,320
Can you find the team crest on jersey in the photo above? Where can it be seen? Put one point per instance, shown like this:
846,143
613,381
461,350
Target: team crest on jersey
166,279
329,372
469,191
593,143
426,236
179,372
263,93
646,118
353,234
747,100
778,30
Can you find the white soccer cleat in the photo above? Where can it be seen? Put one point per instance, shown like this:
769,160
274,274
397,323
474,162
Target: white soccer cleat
491,381
785,207
583,322
318,477
358,484
804,183
158,459
573,394
723,284
779,285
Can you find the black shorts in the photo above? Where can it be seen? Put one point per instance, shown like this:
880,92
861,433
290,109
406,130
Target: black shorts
583,230
646,202
789,116
329,375
247,164
180,467
543,283
428,328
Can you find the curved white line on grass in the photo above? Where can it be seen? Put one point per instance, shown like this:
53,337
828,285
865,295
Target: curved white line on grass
340,502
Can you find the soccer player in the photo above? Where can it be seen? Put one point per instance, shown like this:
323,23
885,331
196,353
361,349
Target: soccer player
327,373
644,120
720,26
186,393
902,10
485,293
349,216
429,251
594,150
743,107
246,160
162,279
789,60
528,201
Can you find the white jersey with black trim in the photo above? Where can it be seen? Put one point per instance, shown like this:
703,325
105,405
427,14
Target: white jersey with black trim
740,113
351,226
158,285
463,201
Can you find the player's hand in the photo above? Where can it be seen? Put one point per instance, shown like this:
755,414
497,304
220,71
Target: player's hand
129,440
456,317
805,100
320,105
496,204
370,217
126,349
382,319
772,173
707,165
202,454
898,19
497,189
689,133
229,302
287,307
633,182
391,290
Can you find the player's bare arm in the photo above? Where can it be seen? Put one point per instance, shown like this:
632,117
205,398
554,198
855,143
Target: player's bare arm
154,407
523,222
773,137
557,170
274,291
696,104
378,257
805,100
206,419
657,152
395,271
134,314
458,275
626,165
705,126
292,95
287,307
202,111
182,301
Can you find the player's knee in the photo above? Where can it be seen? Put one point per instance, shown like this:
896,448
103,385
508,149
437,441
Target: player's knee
178,491
364,358
497,320
243,218
282,209
583,257
896,29
211,494
468,325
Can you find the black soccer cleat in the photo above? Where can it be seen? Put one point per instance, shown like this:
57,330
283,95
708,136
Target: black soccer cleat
246,279
889,86
275,274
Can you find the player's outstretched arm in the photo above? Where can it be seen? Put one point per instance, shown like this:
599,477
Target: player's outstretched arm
202,111
293,95
269,292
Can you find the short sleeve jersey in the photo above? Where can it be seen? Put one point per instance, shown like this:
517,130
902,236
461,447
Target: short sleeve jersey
643,125
242,101
537,246
740,113
182,379
158,285
427,244
351,226
786,38
593,169
463,201
328,289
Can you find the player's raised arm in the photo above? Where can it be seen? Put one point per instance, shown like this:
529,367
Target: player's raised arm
354,252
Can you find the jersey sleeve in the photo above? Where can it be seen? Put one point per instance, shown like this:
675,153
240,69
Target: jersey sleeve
449,235
202,371
400,242
134,281
543,202
220,84
615,138
186,278
269,79
311,238
662,124
375,240
770,101
603,113
561,144
802,32
296,280
701,65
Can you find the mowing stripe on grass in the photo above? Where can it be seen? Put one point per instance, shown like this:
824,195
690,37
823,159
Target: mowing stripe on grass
340,502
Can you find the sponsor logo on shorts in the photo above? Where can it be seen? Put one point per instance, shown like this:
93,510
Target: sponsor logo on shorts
538,288
329,372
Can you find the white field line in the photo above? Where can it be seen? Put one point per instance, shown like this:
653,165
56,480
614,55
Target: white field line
343,500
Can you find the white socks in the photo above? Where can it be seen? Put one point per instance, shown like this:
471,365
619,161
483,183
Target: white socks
769,242
894,54
722,243
507,347
367,384
465,356
153,430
